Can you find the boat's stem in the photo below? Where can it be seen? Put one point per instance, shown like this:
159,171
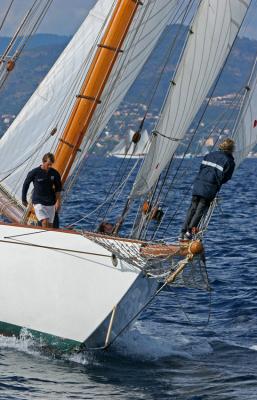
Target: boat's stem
110,327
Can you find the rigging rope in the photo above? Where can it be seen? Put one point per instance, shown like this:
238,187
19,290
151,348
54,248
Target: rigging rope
171,277
6,14
27,27
112,84
234,105
74,84
177,178
95,123
205,108
106,200
175,19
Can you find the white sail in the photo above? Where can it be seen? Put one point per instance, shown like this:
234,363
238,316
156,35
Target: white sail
28,138
123,146
29,133
135,150
245,133
213,32
145,31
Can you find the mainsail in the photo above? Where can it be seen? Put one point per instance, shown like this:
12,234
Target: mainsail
210,38
38,127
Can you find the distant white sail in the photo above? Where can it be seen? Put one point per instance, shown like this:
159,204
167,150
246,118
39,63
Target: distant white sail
245,133
213,32
123,146
28,138
134,150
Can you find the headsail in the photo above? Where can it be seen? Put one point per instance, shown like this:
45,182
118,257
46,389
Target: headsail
29,137
245,132
211,36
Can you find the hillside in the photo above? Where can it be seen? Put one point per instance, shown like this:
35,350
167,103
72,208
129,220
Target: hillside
42,51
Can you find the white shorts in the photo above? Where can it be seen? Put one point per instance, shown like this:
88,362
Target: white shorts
44,212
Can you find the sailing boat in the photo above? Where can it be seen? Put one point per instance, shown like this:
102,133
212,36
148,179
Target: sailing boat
78,288
127,148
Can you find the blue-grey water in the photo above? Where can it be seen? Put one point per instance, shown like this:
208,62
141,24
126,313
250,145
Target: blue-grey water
169,353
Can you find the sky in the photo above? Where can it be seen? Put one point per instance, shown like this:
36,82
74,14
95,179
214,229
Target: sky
65,16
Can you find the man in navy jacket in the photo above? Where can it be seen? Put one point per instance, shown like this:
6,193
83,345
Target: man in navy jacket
216,168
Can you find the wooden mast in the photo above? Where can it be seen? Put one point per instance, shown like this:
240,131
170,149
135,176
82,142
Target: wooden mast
94,84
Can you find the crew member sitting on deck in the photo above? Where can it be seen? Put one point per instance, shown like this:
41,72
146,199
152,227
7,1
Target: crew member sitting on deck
216,168
46,196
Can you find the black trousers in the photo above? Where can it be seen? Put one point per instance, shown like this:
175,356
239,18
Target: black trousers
198,208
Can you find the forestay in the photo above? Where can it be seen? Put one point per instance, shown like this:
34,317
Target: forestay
211,36
245,133
29,136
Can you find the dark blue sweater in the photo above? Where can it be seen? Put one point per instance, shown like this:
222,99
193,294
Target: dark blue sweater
216,168
46,184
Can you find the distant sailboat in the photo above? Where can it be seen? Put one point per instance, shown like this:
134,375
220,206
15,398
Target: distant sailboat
127,148
77,288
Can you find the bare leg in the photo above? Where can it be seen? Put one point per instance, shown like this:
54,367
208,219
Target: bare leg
46,224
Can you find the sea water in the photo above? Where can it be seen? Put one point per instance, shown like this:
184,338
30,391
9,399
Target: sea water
171,352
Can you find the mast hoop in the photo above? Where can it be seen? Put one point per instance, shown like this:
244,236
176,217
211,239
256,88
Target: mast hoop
82,96
139,2
68,144
104,46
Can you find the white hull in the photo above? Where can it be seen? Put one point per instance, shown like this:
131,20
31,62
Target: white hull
62,284
133,301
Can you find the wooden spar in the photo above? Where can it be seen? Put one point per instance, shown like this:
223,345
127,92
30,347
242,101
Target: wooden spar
94,84
158,250
185,248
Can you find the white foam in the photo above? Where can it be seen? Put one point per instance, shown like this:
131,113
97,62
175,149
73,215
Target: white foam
147,341
25,342
82,358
